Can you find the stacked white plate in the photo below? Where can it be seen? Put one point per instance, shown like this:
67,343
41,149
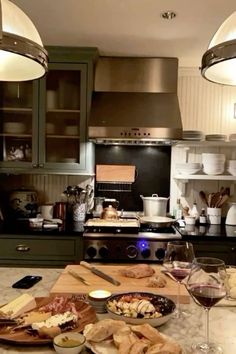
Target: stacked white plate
196,135
213,164
232,137
216,137
231,168
14,127
188,168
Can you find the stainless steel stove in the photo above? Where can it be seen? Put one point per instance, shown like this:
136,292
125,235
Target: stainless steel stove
126,241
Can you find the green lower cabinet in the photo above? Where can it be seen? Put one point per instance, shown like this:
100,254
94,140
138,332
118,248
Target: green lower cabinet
223,250
40,250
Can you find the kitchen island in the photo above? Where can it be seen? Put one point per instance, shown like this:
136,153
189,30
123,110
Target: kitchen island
192,329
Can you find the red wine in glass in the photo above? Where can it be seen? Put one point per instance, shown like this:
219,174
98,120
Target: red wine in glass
179,273
207,295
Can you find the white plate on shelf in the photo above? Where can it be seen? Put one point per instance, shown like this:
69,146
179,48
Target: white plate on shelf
216,137
14,127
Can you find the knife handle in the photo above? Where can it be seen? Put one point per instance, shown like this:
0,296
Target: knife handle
86,265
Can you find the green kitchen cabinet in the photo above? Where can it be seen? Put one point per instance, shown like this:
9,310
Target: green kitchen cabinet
44,122
217,249
40,250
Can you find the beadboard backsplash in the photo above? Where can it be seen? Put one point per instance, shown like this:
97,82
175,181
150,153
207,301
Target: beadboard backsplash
205,106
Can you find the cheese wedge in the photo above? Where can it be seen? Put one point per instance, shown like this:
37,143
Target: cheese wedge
18,306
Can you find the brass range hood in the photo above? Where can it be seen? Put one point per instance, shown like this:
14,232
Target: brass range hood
135,102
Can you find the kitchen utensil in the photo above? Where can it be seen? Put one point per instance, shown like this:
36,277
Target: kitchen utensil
157,221
203,197
78,277
100,273
109,213
154,205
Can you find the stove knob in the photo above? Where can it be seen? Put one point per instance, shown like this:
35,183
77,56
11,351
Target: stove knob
131,251
146,253
160,253
104,253
91,252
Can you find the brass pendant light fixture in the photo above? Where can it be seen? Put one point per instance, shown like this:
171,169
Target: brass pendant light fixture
22,55
219,61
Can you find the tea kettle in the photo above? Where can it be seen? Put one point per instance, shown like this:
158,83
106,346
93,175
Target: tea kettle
109,213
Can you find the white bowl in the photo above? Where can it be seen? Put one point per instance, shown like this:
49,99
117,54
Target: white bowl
14,127
190,220
165,305
210,157
71,130
232,163
232,171
65,337
50,128
188,167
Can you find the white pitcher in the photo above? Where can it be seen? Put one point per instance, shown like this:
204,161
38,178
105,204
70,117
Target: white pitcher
231,215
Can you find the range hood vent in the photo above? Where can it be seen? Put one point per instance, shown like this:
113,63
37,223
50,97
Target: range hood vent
135,102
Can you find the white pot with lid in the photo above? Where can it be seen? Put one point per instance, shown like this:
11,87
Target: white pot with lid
154,205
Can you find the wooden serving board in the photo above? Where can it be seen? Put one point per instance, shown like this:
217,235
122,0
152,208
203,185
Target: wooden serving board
66,284
21,337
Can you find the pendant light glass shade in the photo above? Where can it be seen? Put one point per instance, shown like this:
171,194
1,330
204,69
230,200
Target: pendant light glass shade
219,61
22,55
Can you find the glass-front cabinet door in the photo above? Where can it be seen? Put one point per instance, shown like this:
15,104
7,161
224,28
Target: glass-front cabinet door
18,123
62,118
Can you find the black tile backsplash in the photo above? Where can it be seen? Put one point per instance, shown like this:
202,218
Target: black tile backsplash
152,172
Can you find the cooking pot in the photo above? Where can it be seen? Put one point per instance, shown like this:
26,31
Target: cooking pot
157,221
154,205
109,213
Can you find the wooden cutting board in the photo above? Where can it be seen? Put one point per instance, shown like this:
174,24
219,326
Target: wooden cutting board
67,284
115,173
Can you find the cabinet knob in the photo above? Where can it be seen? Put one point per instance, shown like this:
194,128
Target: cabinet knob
22,248
233,249
34,165
41,165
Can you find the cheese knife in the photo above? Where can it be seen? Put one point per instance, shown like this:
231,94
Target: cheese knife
99,273
78,277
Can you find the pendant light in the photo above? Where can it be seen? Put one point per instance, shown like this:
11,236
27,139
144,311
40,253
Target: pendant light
219,61
22,55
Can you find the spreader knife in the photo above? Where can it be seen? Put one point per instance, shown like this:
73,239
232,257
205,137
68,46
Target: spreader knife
100,273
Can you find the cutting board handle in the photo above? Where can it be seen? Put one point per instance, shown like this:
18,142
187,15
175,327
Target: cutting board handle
86,265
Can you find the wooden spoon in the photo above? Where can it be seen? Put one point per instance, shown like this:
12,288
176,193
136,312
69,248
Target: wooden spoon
203,197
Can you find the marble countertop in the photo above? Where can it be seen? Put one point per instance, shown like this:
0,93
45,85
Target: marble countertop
187,331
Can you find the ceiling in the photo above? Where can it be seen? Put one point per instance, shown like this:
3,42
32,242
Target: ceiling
130,27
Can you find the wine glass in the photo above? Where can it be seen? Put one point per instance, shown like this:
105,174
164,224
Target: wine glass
178,261
206,284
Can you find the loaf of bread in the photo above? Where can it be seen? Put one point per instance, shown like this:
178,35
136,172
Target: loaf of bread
138,271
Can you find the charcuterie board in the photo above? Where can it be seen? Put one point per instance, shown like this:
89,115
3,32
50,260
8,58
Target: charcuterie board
66,284
22,337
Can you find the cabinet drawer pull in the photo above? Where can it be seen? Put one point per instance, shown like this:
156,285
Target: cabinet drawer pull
22,248
233,249
41,165
34,165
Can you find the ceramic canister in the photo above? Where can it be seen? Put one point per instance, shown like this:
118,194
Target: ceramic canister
46,211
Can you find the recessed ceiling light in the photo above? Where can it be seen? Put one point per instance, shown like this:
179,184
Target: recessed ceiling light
168,15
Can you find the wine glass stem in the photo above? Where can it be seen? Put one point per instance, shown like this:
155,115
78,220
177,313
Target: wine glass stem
178,297
207,325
